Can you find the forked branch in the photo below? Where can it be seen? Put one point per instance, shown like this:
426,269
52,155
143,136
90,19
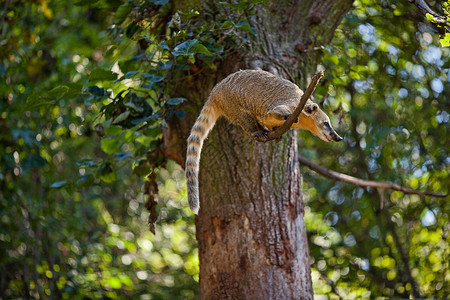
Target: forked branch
277,133
361,182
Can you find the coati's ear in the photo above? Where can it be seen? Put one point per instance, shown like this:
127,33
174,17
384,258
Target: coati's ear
311,108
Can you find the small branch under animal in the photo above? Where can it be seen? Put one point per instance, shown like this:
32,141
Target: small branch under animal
278,132
361,182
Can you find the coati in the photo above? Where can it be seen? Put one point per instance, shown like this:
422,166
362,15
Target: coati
257,101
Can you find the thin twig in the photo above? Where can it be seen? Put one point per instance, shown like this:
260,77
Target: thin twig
277,133
361,182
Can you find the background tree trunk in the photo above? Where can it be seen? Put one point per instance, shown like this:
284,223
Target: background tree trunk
250,230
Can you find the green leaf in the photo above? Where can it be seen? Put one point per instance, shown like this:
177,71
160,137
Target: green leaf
85,2
236,6
185,48
86,163
122,117
190,14
201,49
130,74
159,2
110,145
176,101
163,45
113,130
131,30
153,77
189,48
114,282
58,92
122,156
122,12
106,173
99,74
95,90
34,103
84,181
58,184
445,42
74,90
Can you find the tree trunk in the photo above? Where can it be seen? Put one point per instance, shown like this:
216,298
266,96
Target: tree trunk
250,230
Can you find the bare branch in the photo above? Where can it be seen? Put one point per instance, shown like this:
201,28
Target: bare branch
277,133
361,182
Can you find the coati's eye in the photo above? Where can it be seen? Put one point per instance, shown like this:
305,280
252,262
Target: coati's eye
308,110
314,107
327,125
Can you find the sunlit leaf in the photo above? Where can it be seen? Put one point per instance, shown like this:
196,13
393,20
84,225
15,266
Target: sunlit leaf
110,145
101,75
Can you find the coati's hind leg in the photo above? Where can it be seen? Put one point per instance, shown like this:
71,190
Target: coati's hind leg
251,126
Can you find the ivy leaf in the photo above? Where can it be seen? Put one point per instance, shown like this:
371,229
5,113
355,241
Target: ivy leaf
165,65
163,45
99,74
190,47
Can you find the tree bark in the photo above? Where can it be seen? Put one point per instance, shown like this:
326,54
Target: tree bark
251,234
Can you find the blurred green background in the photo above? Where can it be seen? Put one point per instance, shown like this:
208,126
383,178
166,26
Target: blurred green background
73,222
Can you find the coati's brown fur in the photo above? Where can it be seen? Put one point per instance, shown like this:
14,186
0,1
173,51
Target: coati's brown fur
257,101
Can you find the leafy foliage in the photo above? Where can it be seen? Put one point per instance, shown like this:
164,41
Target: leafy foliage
388,87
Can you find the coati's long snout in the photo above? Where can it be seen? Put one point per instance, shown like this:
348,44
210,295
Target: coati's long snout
316,121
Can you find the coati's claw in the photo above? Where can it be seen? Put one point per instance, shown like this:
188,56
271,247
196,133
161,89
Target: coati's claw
262,134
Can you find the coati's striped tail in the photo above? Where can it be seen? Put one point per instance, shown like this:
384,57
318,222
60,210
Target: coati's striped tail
205,122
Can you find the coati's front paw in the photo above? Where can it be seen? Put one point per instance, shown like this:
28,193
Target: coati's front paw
262,134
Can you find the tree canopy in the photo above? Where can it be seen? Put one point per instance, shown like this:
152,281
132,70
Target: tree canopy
86,92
